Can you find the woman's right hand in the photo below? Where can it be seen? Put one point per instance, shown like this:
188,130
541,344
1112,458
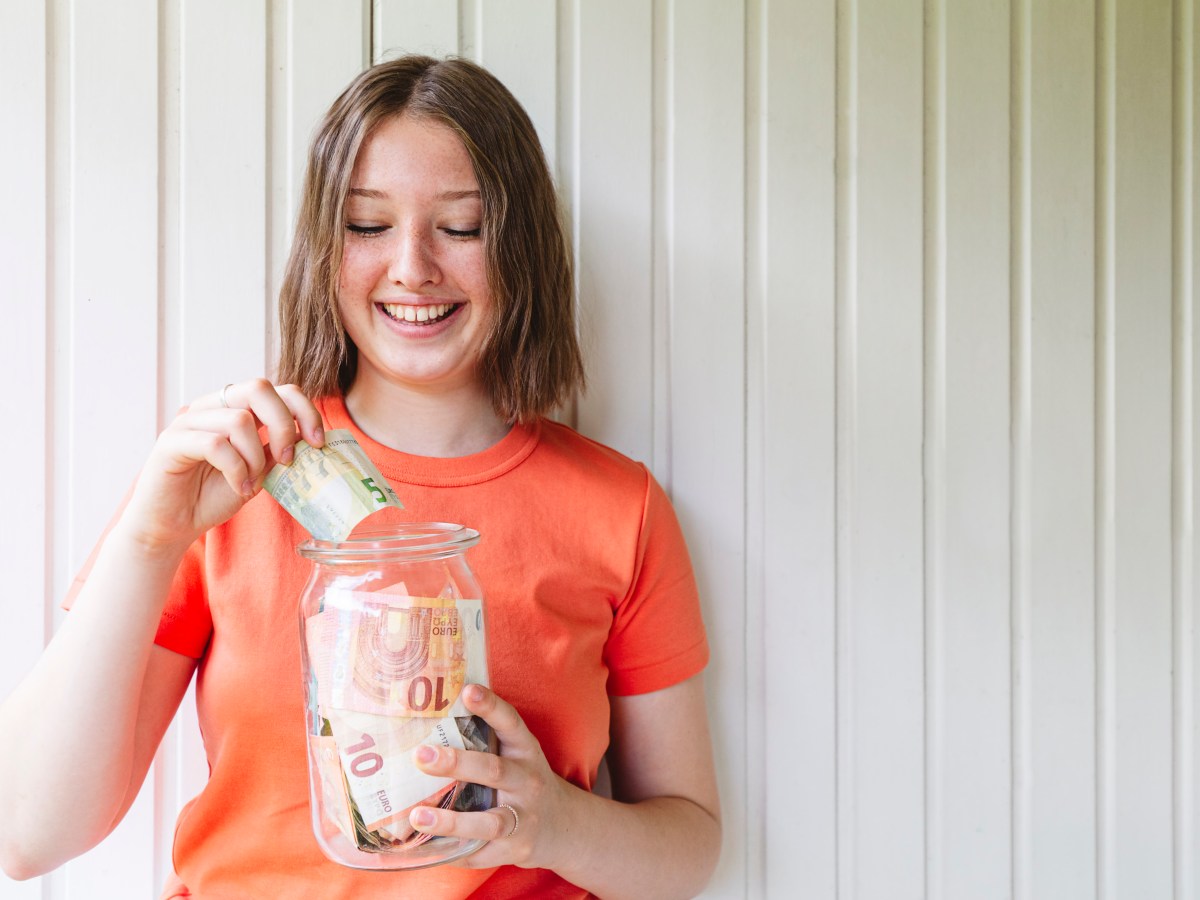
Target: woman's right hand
212,459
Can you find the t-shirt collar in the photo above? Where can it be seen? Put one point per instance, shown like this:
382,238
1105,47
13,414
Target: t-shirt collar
503,456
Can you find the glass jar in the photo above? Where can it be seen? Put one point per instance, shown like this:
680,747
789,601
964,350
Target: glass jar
392,628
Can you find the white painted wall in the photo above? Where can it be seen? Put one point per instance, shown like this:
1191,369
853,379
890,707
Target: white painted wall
898,299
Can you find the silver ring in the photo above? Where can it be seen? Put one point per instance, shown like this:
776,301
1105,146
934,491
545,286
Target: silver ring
224,401
516,819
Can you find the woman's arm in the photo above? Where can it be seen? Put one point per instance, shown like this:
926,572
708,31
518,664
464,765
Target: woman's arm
79,733
659,837
81,730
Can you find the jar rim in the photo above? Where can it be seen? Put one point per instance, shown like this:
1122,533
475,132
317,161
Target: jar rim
410,539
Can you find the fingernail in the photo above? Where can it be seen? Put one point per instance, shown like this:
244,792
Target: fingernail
319,434
426,754
248,488
474,693
422,817
286,456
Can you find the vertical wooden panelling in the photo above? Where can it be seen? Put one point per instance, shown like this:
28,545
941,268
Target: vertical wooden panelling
414,26
24,199
884,292
880,554
663,75
1020,438
23,256
1140,705
1057,643
223,192
180,768
612,191
1187,600
707,362
317,47
58,410
106,330
967,451
1106,454
790,449
516,40
213,213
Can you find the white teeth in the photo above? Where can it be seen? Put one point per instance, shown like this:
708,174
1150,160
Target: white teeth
417,313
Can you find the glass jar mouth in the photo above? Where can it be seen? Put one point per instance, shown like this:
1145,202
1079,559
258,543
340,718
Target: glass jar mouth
415,540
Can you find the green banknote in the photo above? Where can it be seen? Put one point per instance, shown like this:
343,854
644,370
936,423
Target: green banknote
330,490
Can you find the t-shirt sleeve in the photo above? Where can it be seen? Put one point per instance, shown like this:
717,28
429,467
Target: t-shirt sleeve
657,637
186,625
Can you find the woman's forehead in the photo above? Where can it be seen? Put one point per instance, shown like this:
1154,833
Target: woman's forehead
408,152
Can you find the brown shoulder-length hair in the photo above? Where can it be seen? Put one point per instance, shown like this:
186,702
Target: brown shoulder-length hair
531,360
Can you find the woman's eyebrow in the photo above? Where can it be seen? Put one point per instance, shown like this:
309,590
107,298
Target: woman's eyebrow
459,195
372,194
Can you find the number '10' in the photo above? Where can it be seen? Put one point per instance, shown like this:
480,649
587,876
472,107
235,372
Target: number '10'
421,692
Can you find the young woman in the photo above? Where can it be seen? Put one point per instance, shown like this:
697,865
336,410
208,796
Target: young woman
428,308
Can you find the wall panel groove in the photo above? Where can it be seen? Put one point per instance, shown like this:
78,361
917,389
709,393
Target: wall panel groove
934,440
1020,281
1106,415
846,261
1184,757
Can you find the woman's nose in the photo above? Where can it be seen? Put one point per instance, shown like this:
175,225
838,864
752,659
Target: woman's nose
413,264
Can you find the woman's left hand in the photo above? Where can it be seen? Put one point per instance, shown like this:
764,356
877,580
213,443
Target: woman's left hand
523,780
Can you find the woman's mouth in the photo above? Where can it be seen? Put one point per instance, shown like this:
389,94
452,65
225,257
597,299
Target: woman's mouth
425,314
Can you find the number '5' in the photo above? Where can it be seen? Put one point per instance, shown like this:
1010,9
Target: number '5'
375,489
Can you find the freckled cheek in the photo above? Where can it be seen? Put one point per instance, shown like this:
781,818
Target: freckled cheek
354,273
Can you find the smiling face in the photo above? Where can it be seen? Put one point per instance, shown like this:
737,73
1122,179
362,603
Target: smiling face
413,293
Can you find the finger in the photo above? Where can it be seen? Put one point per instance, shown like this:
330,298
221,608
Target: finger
262,399
465,765
278,409
216,400
489,825
186,448
304,411
240,426
501,715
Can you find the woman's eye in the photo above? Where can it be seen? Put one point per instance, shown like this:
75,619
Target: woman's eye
367,230
457,233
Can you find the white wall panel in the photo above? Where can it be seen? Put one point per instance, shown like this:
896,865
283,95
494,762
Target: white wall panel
1186,764
967,403
24,208
1135,681
790,461
706,412
414,26
896,298
517,41
317,46
611,183
1056,765
106,330
222,226
23,346
880,367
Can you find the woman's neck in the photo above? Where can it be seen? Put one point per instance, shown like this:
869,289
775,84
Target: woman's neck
425,424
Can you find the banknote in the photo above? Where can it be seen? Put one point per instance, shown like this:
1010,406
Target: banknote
391,833
376,757
335,794
392,655
331,489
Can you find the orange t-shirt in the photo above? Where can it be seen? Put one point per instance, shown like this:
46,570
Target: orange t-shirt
589,592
